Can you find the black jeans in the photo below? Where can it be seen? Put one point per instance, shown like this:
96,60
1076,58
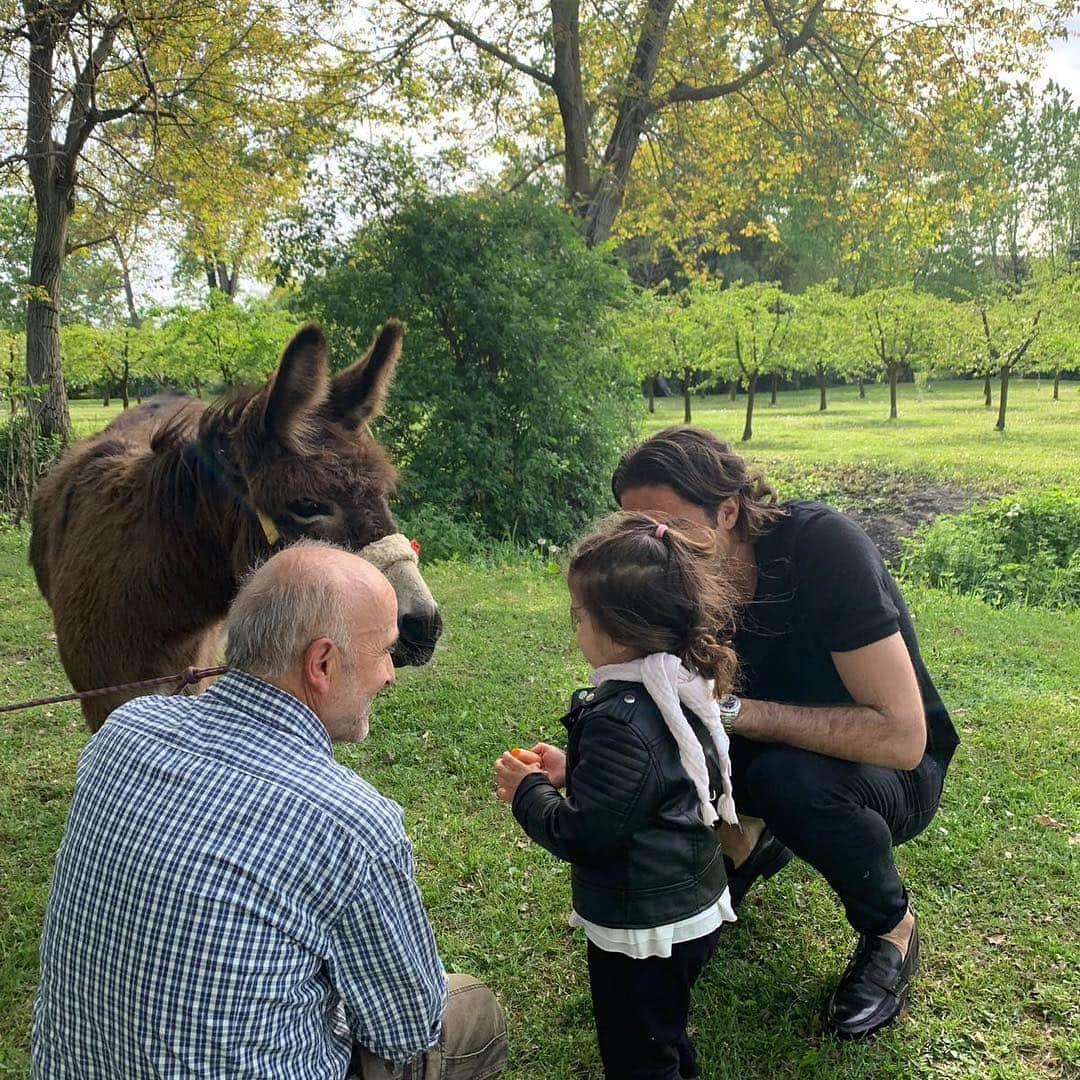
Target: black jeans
641,1007
841,817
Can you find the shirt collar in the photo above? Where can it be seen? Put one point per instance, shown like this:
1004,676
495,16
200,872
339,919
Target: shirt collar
271,706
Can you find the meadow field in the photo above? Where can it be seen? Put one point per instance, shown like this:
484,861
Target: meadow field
995,878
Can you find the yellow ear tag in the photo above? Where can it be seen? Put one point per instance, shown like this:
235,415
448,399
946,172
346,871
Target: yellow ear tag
270,530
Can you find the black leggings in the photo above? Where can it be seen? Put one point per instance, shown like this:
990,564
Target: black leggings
842,818
641,1007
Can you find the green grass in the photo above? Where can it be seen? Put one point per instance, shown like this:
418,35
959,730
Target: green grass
996,877
997,890
945,432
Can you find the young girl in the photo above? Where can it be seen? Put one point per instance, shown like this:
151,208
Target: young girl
647,776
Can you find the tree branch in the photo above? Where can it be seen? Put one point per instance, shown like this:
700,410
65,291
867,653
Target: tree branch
533,168
82,117
789,46
491,48
82,245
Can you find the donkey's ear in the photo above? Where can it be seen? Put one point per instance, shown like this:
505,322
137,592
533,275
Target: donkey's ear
299,386
357,393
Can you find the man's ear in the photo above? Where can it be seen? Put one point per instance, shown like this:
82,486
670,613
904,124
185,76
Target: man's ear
317,664
727,513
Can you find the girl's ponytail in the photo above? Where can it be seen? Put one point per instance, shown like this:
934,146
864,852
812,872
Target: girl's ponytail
713,659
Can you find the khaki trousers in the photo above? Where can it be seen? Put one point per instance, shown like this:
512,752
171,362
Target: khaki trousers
471,1046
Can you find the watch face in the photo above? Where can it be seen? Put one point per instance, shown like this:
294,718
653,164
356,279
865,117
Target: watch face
729,703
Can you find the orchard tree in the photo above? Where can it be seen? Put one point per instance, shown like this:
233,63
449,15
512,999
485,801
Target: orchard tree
751,326
224,343
1059,345
901,326
823,339
1010,327
641,336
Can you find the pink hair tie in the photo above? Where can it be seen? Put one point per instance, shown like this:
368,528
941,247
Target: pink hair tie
660,530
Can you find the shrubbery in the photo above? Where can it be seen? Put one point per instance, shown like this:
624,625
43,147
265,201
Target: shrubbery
1023,549
25,454
509,410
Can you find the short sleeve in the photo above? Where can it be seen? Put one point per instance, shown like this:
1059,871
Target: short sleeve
843,584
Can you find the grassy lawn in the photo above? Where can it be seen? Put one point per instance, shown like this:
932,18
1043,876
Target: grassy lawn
995,879
944,432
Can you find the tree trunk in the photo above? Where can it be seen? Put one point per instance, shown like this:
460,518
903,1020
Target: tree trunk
988,396
862,388
609,187
228,282
733,389
1003,396
13,394
52,175
566,49
43,364
893,371
125,381
106,398
797,379
687,376
824,403
751,387
134,319
1057,384
775,380
652,393
198,387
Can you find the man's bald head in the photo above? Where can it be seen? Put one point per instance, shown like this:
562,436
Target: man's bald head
308,591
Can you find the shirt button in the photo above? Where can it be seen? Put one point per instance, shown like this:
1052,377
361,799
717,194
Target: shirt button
629,699
584,694
589,697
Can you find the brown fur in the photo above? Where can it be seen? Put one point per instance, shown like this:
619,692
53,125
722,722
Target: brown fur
142,532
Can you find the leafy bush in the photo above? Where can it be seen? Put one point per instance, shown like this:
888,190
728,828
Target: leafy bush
1023,549
25,454
440,536
508,411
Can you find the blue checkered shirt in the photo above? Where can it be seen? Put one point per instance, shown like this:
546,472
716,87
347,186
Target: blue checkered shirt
228,901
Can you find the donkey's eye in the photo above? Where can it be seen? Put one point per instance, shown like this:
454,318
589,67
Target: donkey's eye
305,508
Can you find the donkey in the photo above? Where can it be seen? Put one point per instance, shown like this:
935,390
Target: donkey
142,533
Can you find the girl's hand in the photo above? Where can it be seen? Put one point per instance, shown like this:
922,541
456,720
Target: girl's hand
509,772
553,762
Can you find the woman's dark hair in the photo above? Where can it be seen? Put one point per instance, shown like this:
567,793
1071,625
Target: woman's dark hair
703,470
653,587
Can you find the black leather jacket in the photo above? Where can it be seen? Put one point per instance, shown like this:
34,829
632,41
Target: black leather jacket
630,823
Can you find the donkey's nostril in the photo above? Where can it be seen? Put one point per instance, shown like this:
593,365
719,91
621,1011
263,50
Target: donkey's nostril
418,632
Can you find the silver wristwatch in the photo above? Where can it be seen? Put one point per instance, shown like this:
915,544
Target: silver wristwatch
730,707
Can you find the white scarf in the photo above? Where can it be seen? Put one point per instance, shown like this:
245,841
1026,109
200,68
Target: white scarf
671,685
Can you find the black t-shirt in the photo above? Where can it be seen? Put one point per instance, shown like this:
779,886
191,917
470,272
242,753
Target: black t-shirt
823,588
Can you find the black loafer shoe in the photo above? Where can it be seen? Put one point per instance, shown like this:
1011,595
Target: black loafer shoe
768,857
874,988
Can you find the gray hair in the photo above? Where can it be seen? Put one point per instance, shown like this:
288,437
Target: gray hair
275,617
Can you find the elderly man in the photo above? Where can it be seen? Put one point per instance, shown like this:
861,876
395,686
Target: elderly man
229,901
840,743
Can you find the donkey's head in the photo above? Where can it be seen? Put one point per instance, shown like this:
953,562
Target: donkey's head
310,468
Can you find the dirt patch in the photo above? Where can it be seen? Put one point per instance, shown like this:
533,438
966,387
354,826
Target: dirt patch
887,505
886,525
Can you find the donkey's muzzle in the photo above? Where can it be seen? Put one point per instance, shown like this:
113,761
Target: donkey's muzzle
417,636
